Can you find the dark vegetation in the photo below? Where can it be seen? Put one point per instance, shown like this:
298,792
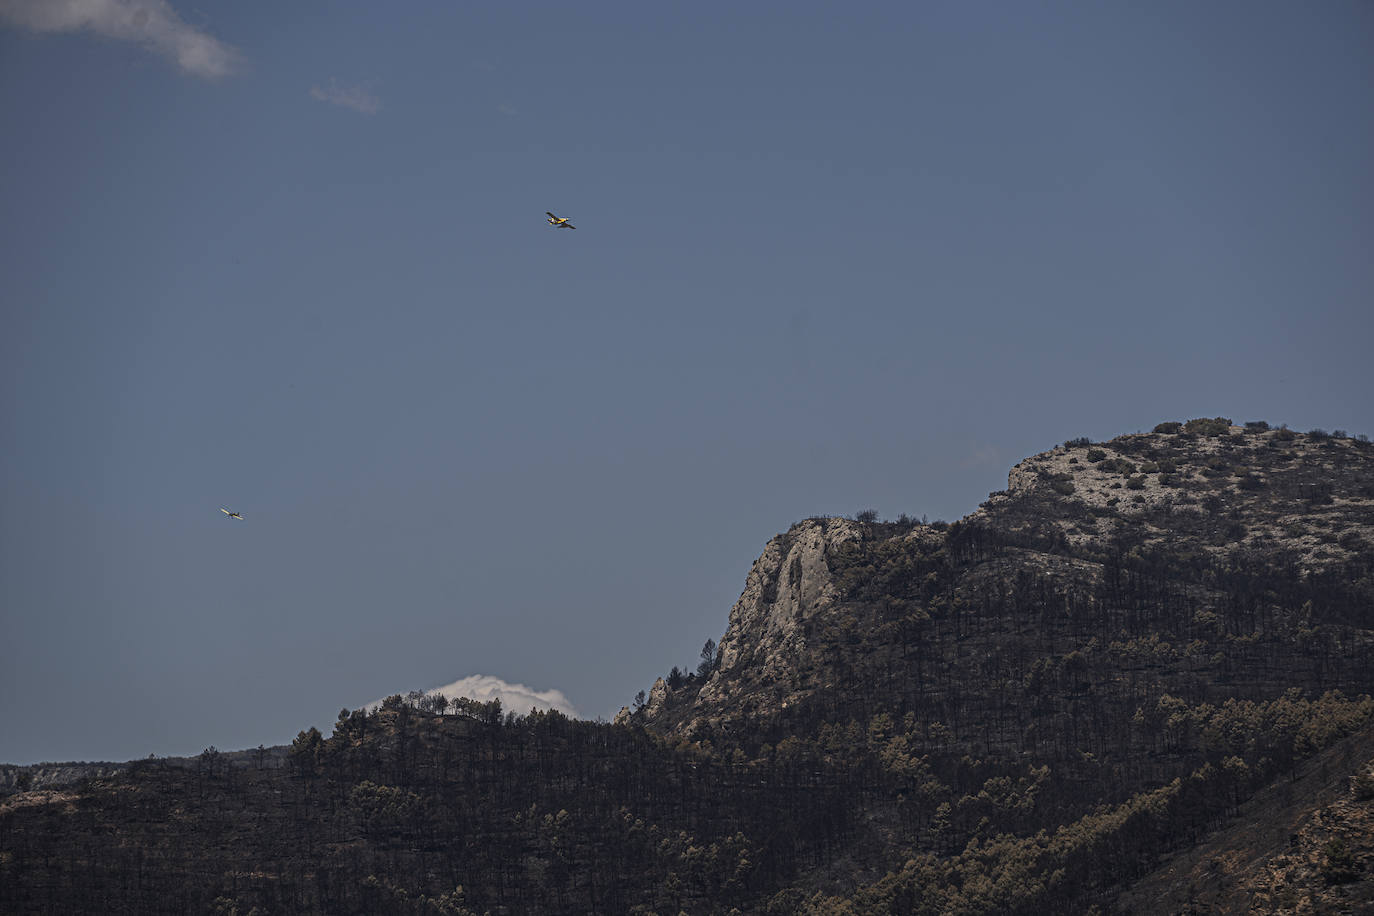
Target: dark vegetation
1015,706
404,811
990,718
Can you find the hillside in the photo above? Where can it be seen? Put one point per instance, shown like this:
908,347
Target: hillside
1212,543
1304,844
1074,689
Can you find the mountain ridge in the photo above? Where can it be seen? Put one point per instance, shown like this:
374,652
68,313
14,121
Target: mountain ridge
1134,494
1036,708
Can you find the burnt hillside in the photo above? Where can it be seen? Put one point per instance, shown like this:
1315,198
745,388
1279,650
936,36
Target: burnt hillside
1025,711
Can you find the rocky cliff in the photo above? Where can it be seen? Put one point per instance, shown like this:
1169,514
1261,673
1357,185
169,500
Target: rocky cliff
1197,506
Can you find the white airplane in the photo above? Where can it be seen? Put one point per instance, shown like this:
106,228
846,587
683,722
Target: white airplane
560,222
231,514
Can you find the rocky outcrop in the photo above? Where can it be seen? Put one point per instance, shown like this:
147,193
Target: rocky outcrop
657,695
48,776
1225,488
789,584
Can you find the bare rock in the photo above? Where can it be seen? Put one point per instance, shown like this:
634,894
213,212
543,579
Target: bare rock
657,695
789,583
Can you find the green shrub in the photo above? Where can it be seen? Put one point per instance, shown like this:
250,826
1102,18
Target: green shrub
1080,442
1096,454
1136,483
1120,466
1217,426
1170,427
1339,866
1216,467
1257,426
1063,486
1284,434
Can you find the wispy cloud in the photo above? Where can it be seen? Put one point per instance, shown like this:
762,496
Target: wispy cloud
981,456
150,23
354,97
515,698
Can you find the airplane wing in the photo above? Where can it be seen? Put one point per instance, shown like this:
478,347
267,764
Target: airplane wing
569,225
551,215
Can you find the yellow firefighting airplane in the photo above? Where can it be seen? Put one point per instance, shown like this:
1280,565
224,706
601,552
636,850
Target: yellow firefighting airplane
560,222
231,514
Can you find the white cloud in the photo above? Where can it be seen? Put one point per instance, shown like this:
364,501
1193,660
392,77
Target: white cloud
357,98
516,698
151,23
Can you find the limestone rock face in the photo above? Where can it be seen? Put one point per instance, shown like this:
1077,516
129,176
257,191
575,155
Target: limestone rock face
789,584
657,694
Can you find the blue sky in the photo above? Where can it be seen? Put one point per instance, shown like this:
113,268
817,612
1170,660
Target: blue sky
293,260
